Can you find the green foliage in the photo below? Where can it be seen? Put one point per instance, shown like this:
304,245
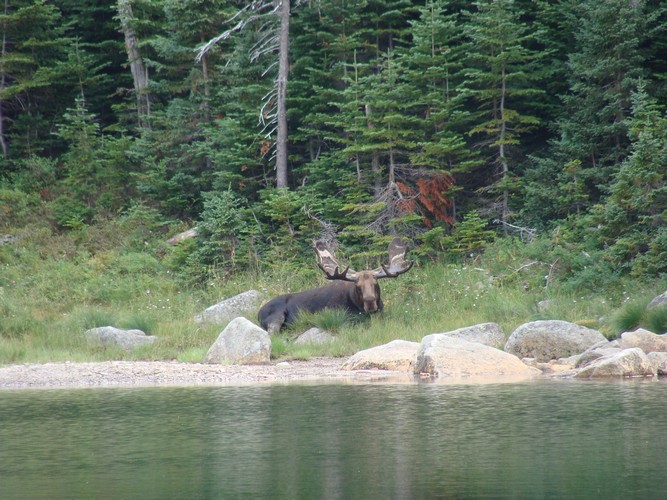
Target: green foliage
331,320
632,221
17,207
466,240
549,113
223,236
635,314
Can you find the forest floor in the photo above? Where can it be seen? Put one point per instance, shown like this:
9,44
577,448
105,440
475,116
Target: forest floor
172,373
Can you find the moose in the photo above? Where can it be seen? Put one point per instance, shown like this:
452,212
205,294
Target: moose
356,292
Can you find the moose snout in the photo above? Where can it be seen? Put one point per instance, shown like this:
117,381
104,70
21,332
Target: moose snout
371,307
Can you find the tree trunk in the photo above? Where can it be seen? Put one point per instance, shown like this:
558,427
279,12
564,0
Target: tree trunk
137,66
375,154
3,82
283,70
502,153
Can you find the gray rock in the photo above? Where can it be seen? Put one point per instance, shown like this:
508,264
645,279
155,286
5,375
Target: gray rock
442,355
592,355
242,343
314,336
230,308
8,239
645,340
396,355
546,340
658,301
544,305
659,362
112,336
485,333
628,363
555,367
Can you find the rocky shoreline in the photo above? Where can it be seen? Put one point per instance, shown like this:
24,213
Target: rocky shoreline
175,374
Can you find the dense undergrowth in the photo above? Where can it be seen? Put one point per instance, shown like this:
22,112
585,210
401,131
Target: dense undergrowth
54,285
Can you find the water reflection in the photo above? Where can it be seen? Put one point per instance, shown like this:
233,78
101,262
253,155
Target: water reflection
532,440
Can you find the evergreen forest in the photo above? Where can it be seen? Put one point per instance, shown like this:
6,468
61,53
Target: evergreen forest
267,124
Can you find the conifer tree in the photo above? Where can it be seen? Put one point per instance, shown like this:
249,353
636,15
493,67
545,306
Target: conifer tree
500,80
33,44
603,69
633,221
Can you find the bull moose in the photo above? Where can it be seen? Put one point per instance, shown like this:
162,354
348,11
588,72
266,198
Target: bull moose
356,292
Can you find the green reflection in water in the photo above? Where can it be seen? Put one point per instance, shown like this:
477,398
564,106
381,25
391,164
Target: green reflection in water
533,440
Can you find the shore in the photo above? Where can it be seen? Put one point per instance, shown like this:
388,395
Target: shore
172,373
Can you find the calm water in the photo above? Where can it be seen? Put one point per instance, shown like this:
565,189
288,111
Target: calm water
532,440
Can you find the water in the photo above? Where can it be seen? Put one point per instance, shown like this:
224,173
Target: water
549,439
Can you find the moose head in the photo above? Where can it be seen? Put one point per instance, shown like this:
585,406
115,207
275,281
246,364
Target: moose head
366,289
356,292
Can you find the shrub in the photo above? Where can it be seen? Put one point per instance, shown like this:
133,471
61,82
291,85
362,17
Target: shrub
635,314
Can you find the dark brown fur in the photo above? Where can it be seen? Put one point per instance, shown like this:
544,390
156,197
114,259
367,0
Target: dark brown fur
359,297
355,292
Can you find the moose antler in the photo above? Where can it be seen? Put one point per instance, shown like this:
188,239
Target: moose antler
397,265
329,265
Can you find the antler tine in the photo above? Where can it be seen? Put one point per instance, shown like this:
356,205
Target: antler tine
397,263
329,265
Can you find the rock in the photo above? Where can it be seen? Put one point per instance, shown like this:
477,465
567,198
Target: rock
176,239
544,305
241,342
591,355
553,367
658,301
645,340
314,336
659,362
232,307
112,336
397,355
485,333
628,363
447,356
8,239
546,340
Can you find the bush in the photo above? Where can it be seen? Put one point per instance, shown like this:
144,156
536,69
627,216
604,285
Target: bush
17,208
635,314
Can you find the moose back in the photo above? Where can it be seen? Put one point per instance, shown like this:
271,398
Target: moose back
356,292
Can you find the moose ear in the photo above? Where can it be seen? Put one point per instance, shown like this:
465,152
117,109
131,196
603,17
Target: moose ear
329,265
397,263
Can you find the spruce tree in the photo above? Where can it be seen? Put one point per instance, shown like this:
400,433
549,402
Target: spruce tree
633,221
603,69
501,82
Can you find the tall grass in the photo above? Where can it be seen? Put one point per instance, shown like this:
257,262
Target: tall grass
53,291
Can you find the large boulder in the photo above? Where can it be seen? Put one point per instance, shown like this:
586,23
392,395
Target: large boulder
314,336
230,308
112,336
628,363
659,301
645,340
442,355
659,362
546,340
241,343
397,355
485,333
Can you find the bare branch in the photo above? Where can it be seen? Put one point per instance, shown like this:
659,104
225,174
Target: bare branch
527,231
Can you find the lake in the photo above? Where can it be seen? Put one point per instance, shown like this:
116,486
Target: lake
545,439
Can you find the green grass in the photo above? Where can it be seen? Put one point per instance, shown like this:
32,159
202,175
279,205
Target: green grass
635,314
53,290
